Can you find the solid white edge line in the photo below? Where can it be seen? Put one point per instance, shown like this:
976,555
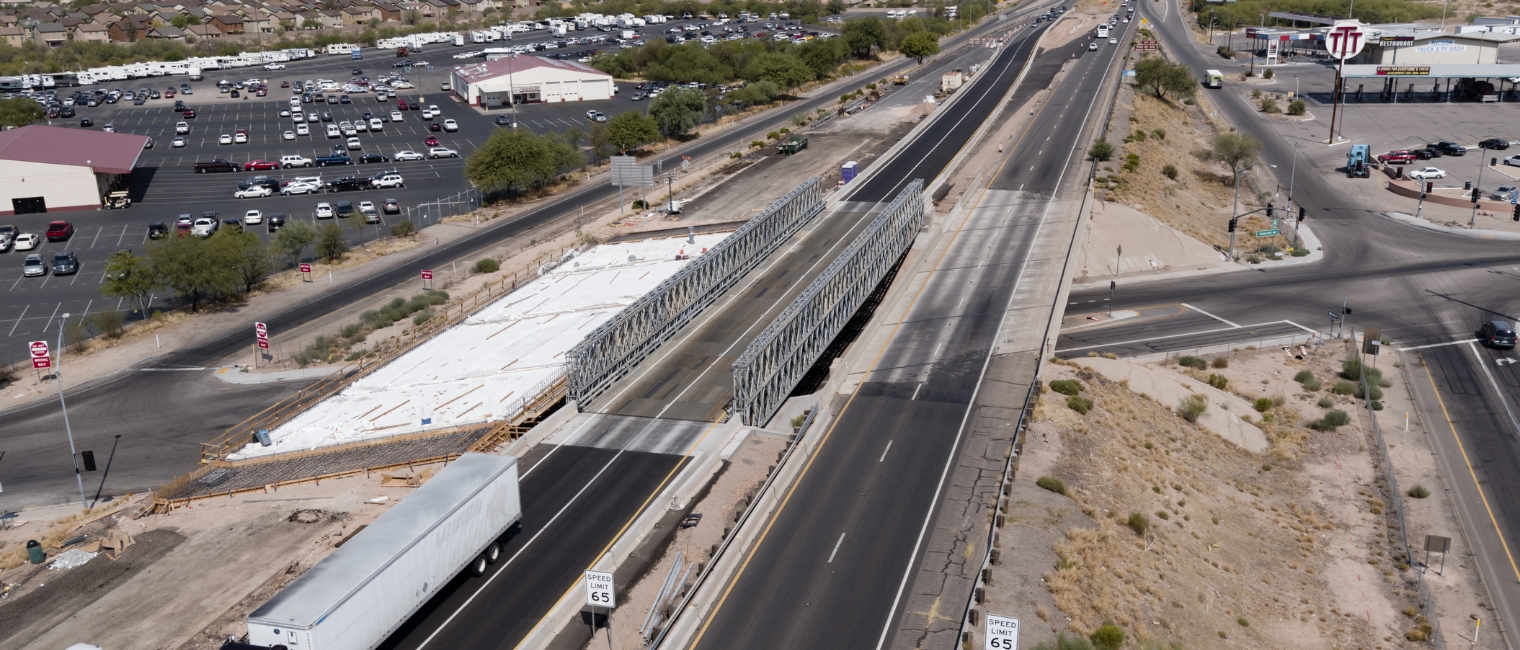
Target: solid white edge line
884,452
1208,314
1437,345
981,377
1497,393
519,552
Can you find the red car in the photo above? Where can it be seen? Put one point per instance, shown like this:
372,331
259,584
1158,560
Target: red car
434,126
432,141
284,84
261,93
257,165
401,105
169,94
1397,156
189,114
60,231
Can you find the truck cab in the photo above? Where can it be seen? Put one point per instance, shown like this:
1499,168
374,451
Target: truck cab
1358,161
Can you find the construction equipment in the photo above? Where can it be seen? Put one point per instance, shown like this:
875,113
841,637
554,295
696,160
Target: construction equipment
117,200
792,145
1357,162
900,80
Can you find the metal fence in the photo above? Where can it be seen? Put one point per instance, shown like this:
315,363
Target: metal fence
777,360
613,350
428,213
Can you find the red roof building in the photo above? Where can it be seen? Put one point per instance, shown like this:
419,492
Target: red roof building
56,169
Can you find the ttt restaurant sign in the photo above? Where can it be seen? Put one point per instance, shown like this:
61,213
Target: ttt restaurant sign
1403,70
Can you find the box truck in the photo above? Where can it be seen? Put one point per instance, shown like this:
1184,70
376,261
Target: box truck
373,583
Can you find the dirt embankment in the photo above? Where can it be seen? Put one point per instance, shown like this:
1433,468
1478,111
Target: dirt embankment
1175,535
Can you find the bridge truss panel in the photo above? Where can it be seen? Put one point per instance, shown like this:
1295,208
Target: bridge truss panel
776,361
613,350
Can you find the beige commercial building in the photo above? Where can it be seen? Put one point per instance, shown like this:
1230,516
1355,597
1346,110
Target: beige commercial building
56,169
1433,48
529,80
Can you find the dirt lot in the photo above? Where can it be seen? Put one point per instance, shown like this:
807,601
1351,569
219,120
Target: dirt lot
1176,536
191,578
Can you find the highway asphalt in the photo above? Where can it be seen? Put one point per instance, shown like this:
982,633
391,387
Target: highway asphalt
1422,288
833,566
692,377
158,448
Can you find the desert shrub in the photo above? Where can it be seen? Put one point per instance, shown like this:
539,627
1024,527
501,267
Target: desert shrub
1159,134
1163,515
1372,392
1169,171
108,323
1255,93
1297,107
1079,404
1220,362
1325,402
1064,642
403,229
1066,386
1268,249
1418,491
1138,523
1225,52
1051,483
1131,162
1108,637
1269,105
1376,405
1218,381
1193,362
1332,420
487,265
1137,136
1344,387
1303,376
1262,404
1191,407
422,316
1313,384
1242,620
1267,74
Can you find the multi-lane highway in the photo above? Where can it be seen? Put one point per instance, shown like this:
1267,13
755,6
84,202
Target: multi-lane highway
1422,288
842,564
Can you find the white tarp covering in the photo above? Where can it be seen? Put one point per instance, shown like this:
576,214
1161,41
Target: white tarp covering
482,369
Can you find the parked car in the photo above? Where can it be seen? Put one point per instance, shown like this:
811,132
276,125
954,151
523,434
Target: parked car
435,127
373,158
431,141
254,192
442,152
157,230
388,180
65,263
334,159
224,139
259,165
274,221
1503,193
348,183
1513,161
353,144
1450,148
324,211
27,241
345,209
7,237
60,231
1427,173
1397,156
392,206
300,188
1497,334
1494,143
367,209
33,267
178,143
205,226
253,217
295,161
401,156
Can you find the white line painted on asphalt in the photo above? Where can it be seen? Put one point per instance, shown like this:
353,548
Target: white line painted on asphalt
836,548
1497,393
18,319
884,451
1436,345
915,391
1209,315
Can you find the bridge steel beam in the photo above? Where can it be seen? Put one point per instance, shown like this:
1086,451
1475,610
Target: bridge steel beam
613,350
776,361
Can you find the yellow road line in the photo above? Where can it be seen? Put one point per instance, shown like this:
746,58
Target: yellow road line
1470,470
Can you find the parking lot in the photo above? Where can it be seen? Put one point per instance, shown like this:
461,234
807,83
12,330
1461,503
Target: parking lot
165,185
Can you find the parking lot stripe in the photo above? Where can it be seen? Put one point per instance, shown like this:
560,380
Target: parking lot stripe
48,324
18,319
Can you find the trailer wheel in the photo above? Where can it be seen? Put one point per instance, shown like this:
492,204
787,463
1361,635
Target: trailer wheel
493,553
479,566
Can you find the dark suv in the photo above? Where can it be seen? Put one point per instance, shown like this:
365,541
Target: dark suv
1497,334
1449,148
348,183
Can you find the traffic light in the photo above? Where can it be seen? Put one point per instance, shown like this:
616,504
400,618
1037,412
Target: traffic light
87,458
1476,193
1517,213
1430,186
1232,223
1301,214
1269,210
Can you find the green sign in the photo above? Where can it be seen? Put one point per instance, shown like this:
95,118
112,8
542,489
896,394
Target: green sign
1268,233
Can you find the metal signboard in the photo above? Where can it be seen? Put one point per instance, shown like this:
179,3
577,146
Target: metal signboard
261,334
1345,39
1403,70
626,172
1147,46
427,274
599,589
40,357
305,268
1268,233
1395,41
1002,633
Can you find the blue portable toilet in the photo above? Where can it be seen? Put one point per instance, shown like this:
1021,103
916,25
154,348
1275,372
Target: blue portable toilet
849,170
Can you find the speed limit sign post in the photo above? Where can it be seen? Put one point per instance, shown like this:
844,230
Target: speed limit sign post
599,594
1002,633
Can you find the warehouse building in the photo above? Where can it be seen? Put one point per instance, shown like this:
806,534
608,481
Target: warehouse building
55,169
529,80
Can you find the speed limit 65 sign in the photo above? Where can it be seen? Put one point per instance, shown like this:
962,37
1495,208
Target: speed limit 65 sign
1002,633
599,590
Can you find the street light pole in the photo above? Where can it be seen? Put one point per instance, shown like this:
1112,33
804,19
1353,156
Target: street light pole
73,454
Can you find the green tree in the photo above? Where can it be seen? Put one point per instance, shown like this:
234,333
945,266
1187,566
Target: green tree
629,130
20,111
411,17
864,34
248,257
515,159
786,70
191,268
574,136
332,242
601,147
129,276
291,241
1178,81
835,7
1108,637
919,45
184,20
1236,150
1101,150
677,110
823,55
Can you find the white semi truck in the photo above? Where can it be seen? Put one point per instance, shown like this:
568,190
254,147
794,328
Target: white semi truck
375,581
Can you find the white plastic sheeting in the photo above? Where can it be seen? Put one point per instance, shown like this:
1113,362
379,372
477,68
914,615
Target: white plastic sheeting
482,369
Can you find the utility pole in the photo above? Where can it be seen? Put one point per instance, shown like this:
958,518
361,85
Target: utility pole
670,192
1477,190
73,454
